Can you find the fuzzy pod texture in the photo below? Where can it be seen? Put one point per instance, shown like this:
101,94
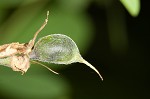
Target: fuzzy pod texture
55,48
58,49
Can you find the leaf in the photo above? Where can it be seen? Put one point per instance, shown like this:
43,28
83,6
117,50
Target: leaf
132,6
31,85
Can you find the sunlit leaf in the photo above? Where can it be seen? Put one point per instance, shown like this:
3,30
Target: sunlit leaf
132,6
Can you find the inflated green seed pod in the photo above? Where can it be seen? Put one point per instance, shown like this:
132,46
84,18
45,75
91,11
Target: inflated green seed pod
58,49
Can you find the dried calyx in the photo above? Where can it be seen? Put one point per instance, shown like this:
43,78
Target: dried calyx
16,55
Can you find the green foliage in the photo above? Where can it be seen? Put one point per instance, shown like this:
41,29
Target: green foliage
132,6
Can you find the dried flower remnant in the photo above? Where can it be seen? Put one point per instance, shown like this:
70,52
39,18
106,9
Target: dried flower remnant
54,48
16,55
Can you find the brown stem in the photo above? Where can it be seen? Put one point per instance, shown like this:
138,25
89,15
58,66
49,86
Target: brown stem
31,43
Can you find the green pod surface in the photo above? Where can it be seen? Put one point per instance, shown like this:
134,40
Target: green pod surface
55,48
58,49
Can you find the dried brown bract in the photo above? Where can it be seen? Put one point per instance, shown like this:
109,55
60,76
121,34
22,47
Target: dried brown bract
16,55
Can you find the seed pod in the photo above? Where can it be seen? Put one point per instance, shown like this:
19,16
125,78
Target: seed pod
58,49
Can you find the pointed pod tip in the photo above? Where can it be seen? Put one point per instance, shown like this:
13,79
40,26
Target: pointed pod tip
81,60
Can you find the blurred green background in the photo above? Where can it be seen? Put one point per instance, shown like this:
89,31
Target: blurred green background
116,43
